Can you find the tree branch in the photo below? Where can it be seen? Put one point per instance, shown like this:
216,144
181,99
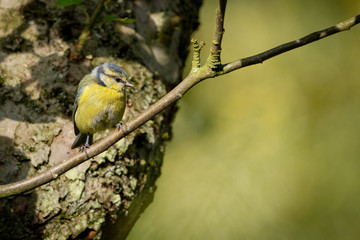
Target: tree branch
261,57
196,54
214,60
175,94
87,30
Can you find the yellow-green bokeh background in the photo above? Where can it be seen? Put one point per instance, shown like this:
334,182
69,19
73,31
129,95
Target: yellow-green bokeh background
270,151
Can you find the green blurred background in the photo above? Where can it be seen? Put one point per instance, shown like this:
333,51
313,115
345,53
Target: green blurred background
270,151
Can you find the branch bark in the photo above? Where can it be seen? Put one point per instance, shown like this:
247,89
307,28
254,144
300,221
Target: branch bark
214,61
202,73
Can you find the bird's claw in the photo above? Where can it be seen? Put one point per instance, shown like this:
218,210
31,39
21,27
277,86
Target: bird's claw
119,126
83,149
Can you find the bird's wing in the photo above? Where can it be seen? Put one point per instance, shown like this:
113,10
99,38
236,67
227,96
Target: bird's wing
83,83
76,130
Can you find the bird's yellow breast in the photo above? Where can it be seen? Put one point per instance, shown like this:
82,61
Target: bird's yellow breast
99,108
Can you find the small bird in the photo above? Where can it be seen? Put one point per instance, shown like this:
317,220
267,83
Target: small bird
99,103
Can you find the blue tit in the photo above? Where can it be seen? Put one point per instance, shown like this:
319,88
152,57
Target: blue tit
100,102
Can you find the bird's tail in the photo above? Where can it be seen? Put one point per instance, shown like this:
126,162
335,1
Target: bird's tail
81,140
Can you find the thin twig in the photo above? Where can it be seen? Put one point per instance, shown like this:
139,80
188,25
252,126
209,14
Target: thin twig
85,13
214,61
261,57
88,28
175,94
196,54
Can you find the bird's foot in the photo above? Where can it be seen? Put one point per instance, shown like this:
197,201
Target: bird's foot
120,126
83,149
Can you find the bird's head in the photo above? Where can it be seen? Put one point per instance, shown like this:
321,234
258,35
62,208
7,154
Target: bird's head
112,76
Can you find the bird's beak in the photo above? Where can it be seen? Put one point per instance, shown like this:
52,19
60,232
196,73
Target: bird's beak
128,84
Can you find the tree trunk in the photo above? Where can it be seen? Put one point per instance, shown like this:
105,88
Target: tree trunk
38,83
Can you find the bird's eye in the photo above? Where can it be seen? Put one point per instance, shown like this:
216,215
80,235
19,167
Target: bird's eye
117,79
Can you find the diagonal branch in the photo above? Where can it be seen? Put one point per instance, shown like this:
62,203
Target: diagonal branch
175,94
312,37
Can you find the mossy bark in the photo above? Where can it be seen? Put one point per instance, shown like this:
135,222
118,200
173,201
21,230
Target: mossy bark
38,82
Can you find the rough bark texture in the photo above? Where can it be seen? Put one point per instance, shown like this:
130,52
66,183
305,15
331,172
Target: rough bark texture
37,89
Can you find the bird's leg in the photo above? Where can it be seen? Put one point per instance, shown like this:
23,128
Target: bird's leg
86,145
119,126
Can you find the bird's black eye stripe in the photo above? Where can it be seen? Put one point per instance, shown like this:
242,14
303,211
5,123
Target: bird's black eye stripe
117,78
